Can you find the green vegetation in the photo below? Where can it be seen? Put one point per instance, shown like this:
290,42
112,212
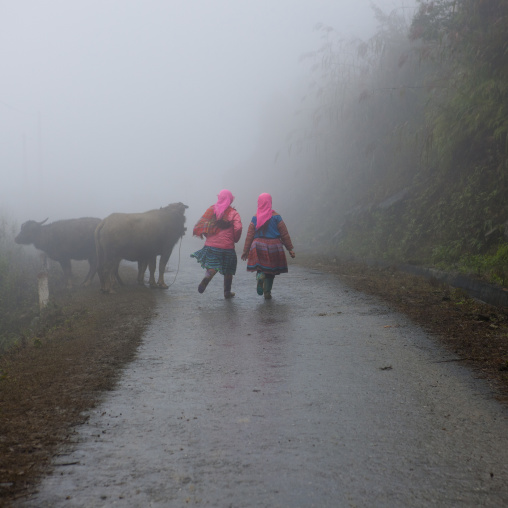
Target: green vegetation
411,132
18,288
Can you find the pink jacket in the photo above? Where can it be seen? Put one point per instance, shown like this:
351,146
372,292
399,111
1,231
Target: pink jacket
226,238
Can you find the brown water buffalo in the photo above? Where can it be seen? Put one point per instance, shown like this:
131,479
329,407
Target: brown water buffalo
138,237
62,241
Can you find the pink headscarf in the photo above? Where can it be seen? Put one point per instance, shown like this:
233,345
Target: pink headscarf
225,199
264,212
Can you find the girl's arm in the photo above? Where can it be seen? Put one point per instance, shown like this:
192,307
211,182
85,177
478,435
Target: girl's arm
248,241
202,226
237,227
285,238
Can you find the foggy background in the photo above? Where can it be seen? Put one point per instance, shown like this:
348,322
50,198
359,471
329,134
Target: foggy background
124,106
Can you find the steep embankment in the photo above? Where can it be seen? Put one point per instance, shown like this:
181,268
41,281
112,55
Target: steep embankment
439,222
414,159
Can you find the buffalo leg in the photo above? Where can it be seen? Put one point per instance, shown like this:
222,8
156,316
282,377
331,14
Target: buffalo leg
109,273
117,276
141,272
151,267
66,267
163,261
91,272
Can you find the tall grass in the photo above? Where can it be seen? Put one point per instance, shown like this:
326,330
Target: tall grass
19,267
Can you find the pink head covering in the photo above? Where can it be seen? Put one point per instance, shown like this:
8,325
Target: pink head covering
225,199
264,212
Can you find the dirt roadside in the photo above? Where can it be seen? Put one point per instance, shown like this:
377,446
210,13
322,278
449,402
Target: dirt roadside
476,332
47,385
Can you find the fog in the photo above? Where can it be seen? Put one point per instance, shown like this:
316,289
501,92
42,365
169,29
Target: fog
124,106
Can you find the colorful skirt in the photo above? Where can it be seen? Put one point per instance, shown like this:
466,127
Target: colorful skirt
267,255
222,260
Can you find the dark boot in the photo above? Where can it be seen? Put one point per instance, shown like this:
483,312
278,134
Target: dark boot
260,279
228,280
267,287
208,277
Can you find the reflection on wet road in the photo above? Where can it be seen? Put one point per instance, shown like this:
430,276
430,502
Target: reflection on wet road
320,397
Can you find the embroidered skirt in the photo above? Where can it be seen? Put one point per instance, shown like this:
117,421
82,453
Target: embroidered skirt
267,255
222,260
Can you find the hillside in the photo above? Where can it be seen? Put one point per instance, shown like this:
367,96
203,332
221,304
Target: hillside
398,150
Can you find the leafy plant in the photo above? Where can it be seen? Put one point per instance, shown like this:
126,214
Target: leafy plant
410,131
18,288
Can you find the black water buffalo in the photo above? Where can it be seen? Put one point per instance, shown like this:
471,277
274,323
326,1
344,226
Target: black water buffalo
138,237
62,241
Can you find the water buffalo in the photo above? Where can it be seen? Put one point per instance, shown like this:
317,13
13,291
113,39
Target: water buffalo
62,241
138,237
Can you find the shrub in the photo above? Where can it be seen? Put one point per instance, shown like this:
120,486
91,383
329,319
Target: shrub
18,287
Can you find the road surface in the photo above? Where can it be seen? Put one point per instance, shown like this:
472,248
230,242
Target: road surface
321,397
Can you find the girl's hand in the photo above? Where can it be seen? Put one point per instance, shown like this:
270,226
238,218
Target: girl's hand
244,257
292,253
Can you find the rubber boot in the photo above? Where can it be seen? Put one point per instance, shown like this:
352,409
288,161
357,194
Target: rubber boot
208,277
260,278
228,280
267,287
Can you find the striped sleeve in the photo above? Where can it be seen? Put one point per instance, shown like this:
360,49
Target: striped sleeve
249,238
284,235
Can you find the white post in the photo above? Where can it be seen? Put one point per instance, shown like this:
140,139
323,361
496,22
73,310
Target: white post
43,283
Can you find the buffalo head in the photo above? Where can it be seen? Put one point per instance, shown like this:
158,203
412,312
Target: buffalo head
175,207
29,231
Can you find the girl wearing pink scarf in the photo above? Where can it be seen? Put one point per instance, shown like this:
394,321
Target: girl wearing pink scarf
222,228
264,246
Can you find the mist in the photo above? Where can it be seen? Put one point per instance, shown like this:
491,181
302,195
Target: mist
125,106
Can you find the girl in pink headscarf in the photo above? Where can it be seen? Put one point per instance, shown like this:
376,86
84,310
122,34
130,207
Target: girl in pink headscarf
263,249
222,228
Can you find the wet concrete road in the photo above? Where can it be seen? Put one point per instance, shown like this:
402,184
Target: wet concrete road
321,397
